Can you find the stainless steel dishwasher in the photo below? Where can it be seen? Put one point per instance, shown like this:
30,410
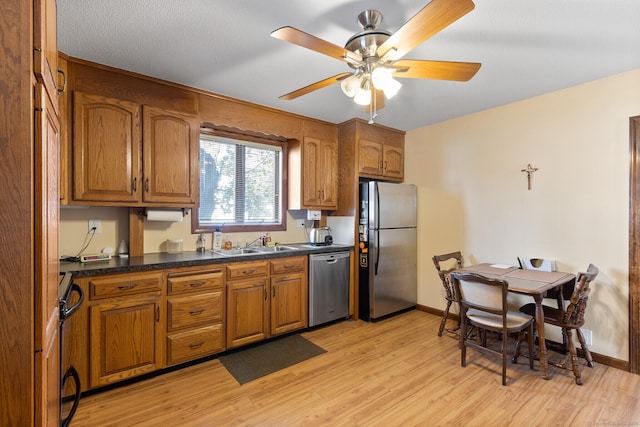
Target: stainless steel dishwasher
328,287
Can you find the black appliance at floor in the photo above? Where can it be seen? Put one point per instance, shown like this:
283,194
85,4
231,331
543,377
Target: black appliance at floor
70,297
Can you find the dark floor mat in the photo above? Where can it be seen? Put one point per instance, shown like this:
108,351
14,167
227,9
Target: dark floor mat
249,364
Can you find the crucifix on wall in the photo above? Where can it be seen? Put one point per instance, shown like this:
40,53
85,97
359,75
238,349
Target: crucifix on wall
529,170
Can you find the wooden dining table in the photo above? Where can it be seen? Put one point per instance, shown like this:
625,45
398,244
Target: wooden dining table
534,283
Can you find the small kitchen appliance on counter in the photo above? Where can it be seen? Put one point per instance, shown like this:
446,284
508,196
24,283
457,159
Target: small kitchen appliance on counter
320,236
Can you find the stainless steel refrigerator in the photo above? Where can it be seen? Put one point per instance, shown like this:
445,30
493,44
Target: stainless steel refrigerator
387,249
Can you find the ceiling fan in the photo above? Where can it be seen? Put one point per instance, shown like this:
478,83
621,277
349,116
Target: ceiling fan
375,54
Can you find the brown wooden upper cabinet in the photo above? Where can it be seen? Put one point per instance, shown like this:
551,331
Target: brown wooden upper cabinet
313,170
319,164
45,55
128,154
380,160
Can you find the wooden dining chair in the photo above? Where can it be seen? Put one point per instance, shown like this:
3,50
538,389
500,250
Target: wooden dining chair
572,317
483,303
453,261
553,295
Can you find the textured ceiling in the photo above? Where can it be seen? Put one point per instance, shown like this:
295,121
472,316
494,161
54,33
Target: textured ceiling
526,47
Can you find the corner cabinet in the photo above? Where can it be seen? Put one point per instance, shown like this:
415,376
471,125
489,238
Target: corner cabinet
126,154
313,169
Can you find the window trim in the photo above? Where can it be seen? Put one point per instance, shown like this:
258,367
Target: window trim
255,137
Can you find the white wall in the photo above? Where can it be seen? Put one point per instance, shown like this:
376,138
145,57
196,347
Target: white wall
115,227
473,196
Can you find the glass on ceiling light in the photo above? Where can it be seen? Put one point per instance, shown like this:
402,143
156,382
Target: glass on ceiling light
350,85
363,94
391,88
382,78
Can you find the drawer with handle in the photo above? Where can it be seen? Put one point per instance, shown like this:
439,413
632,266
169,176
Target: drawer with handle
247,269
198,282
288,265
194,310
124,284
185,346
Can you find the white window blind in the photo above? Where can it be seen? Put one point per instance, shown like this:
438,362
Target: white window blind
240,182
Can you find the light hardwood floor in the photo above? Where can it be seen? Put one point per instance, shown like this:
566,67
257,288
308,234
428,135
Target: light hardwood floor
389,373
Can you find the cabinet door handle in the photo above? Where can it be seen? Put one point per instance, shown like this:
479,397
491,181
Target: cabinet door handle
135,184
158,314
249,271
386,165
196,345
196,312
127,287
273,292
146,185
266,295
64,81
289,267
196,284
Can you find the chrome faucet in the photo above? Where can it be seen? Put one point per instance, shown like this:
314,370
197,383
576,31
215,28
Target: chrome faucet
261,239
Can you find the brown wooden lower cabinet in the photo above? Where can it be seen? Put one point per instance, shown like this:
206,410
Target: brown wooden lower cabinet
261,307
137,323
289,294
247,303
195,314
125,338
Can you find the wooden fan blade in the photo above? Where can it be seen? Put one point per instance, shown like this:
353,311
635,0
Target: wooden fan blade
314,86
430,20
379,101
438,70
300,38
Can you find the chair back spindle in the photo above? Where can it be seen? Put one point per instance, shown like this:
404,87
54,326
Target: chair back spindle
445,264
574,314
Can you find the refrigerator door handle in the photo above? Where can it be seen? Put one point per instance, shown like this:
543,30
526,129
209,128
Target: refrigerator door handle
377,245
377,228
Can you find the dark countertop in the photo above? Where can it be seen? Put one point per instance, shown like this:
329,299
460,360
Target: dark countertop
162,260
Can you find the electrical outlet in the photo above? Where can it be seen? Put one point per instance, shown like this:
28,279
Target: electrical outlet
95,223
587,336
301,223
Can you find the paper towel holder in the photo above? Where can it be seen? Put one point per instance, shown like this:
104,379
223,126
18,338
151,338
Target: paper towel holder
185,211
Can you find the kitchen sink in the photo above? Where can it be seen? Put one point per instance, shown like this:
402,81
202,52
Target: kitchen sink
236,251
269,249
254,250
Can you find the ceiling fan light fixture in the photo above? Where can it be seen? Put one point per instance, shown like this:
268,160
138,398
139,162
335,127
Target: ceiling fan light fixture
363,94
391,88
350,85
382,78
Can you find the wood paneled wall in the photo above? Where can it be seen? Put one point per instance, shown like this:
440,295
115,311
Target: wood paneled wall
213,109
17,238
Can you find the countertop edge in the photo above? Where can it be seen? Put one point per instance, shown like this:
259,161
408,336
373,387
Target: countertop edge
163,260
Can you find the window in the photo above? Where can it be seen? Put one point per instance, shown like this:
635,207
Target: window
240,184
